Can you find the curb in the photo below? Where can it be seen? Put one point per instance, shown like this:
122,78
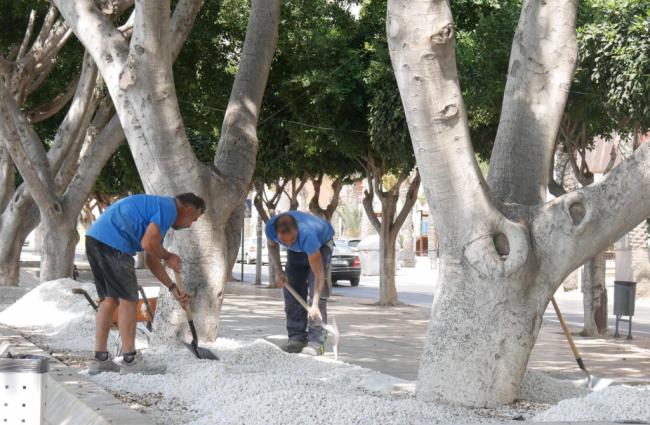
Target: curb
72,398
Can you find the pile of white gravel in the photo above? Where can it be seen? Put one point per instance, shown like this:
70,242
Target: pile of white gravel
619,403
64,319
538,387
256,383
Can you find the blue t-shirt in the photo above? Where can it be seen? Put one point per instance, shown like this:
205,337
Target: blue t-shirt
313,232
123,224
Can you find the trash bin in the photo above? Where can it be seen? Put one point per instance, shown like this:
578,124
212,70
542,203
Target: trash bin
624,297
23,389
369,255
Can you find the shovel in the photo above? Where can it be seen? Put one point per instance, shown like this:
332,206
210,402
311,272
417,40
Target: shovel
593,383
199,352
331,329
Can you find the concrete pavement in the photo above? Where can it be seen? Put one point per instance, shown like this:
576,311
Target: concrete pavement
391,339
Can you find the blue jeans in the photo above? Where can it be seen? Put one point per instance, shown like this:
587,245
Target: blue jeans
301,278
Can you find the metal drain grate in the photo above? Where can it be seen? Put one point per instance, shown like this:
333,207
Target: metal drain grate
23,389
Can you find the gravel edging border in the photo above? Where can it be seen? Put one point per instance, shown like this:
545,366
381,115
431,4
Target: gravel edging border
72,398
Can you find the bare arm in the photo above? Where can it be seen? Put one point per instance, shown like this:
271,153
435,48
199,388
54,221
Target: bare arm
274,258
274,254
152,243
158,270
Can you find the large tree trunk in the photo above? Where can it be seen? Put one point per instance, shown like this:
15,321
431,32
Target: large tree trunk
389,226
140,81
595,296
234,235
503,251
489,302
16,223
640,259
407,253
387,261
59,242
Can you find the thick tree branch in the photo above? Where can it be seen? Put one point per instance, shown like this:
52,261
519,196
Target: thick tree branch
27,152
369,195
182,22
410,200
337,186
28,35
91,164
82,107
421,44
554,187
295,191
259,203
108,47
237,148
542,62
589,219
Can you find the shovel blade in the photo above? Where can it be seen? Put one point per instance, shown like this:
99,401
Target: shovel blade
597,384
200,352
333,330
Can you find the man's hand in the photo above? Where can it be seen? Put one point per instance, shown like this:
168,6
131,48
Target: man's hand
281,279
314,312
173,262
183,298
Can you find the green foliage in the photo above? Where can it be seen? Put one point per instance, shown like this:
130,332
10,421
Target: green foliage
313,117
613,79
390,143
482,54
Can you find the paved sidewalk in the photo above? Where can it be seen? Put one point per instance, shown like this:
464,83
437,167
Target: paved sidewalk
391,339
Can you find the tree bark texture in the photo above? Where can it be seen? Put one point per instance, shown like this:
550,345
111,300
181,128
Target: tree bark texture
139,78
503,249
595,296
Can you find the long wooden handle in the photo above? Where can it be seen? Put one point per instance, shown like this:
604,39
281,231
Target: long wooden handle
569,338
179,284
297,296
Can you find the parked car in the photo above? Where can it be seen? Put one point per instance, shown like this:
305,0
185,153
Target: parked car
350,243
346,265
250,252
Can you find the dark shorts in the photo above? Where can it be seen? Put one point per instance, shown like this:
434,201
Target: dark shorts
113,270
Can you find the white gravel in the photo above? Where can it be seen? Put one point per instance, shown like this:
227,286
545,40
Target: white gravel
538,387
256,383
65,319
615,403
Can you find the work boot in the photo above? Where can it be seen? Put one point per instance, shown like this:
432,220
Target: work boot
293,346
97,366
139,365
313,348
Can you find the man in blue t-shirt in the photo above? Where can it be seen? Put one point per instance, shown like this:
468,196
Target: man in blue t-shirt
135,223
309,243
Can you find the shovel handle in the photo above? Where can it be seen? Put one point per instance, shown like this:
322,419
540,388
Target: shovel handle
181,286
569,338
297,296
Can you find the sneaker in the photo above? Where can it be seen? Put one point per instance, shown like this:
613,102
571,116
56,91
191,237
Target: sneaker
139,365
96,367
313,349
292,346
